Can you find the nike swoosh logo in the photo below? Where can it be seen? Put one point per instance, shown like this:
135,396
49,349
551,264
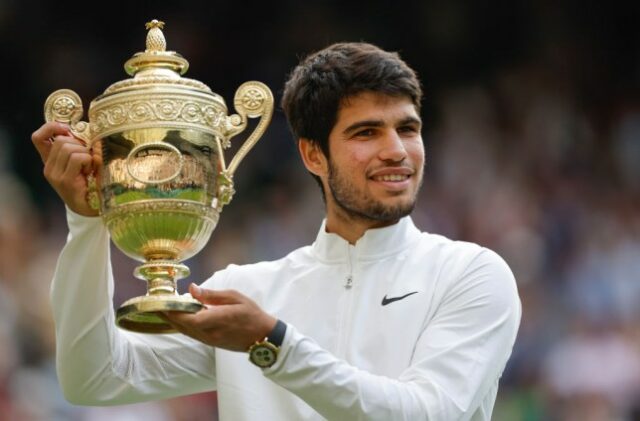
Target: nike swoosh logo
386,300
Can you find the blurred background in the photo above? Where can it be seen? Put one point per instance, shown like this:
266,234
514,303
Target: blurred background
532,132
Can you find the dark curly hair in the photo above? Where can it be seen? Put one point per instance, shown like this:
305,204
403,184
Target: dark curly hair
318,85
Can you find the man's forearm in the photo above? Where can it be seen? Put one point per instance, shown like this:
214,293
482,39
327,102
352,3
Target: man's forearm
338,390
99,364
81,302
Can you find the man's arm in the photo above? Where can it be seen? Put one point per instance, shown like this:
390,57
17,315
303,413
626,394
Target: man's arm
457,362
99,364
458,359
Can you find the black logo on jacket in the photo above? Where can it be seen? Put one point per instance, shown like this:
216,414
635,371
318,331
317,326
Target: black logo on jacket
386,300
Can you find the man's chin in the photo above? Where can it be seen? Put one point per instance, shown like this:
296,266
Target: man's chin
390,212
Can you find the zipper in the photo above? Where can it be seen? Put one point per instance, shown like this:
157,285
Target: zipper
349,281
345,316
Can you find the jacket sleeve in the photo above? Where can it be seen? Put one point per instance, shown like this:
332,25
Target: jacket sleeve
99,364
457,362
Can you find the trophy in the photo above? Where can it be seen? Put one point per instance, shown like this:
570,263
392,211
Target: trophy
162,180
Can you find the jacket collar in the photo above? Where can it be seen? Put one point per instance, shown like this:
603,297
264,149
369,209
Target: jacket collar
374,244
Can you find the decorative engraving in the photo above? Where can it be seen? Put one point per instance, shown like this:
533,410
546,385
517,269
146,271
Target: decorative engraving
253,99
225,143
154,163
64,106
135,209
235,120
117,115
80,126
212,116
93,199
192,113
141,111
167,109
225,189
188,112
156,80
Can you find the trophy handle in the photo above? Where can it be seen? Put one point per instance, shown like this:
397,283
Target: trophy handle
65,106
252,99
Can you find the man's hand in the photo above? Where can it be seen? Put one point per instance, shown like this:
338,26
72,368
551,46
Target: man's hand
67,162
229,320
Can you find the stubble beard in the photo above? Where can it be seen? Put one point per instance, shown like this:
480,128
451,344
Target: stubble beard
358,206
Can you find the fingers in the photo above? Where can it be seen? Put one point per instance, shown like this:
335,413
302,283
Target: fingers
179,321
208,318
217,326
67,161
219,297
204,325
63,151
41,138
79,163
233,323
65,168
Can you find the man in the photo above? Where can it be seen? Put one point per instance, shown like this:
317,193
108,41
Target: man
375,320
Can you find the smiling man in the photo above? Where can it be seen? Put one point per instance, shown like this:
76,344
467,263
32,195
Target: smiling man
373,321
373,166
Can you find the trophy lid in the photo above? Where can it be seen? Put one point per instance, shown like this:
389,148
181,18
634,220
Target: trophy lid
156,66
155,56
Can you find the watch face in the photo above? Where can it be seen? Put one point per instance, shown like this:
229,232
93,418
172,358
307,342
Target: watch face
263,355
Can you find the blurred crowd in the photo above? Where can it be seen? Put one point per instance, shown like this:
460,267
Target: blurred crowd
531,161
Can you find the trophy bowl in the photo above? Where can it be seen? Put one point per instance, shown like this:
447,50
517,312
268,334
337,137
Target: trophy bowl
161,179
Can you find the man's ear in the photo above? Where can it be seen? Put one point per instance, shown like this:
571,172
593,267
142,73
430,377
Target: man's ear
314,159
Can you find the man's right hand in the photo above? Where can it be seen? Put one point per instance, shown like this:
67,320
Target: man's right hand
67,162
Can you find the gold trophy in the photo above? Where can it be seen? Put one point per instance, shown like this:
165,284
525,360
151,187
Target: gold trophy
162,179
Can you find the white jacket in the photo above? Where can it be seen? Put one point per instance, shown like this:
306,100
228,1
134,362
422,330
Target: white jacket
402,326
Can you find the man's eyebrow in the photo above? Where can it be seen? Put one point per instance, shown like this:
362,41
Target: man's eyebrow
379,123
363,123
409,121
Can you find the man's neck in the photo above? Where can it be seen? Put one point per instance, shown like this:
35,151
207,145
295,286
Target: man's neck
352,228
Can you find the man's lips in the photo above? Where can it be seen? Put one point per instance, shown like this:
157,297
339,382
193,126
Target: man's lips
392,174
391,177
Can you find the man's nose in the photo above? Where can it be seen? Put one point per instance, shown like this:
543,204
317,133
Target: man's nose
393,148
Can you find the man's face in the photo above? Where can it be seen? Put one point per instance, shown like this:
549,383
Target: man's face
376,159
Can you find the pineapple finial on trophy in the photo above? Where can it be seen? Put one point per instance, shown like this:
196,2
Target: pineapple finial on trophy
156,59
155,37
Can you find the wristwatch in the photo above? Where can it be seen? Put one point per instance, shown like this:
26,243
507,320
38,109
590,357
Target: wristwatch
264,353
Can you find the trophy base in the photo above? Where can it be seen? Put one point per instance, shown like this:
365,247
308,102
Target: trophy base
142,314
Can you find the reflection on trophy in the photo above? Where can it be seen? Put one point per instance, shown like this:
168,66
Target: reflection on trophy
163,179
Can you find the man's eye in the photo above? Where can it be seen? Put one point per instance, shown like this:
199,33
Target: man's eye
407,129
365,133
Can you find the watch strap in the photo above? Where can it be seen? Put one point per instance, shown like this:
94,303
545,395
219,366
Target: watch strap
276,336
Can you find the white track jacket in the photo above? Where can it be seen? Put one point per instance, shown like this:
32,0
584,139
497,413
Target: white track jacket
403,325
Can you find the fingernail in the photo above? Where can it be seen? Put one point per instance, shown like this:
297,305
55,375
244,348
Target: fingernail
196,289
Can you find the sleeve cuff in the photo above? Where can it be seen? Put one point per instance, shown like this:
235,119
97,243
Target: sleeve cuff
285,348
78,223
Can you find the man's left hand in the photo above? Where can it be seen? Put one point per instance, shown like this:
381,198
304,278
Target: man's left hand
229,320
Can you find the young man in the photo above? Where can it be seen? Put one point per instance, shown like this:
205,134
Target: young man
375,320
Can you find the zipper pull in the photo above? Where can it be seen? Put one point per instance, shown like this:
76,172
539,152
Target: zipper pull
349,282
